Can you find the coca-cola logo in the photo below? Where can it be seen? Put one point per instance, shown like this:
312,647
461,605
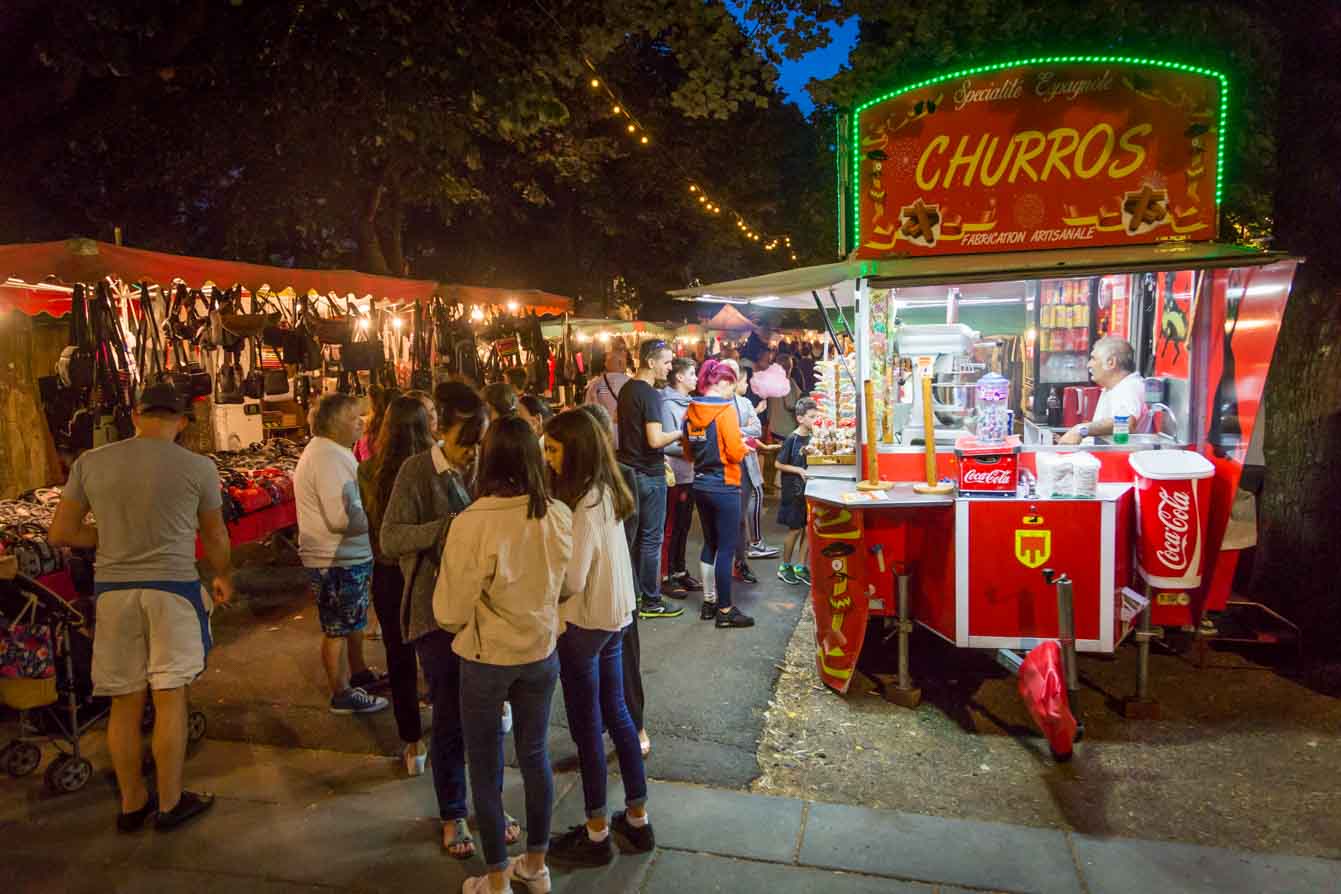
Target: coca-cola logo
993,476
1175,515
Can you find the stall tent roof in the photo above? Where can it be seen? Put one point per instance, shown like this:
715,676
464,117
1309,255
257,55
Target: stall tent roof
86,260
792,288
728,319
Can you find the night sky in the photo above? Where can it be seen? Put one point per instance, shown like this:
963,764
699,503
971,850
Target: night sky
819,64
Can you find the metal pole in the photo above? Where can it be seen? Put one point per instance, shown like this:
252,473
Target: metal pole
903,693
1143,707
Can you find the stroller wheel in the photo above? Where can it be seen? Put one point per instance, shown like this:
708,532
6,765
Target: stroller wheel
21,758
195,726
68,774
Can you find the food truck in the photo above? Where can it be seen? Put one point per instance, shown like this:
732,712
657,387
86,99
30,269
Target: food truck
1001,224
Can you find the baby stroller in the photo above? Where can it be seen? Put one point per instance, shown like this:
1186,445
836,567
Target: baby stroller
45,666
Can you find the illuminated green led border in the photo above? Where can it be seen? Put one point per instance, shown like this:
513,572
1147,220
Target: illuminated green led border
1036,60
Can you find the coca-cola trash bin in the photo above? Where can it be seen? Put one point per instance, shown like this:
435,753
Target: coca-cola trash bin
1173,503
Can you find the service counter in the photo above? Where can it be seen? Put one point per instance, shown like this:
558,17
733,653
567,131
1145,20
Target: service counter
972,566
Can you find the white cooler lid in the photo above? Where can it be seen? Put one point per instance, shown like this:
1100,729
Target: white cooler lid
1169,465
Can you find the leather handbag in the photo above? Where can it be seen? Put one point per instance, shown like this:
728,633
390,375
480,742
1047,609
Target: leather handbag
253,386
361,356
229,382
76,367
277,380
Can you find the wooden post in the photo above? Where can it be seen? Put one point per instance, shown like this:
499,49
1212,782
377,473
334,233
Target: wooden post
872,481
932,484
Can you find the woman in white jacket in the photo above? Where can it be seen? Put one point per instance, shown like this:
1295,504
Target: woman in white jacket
597,606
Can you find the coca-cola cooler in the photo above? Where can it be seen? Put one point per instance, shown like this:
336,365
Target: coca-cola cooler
990,470
1173,503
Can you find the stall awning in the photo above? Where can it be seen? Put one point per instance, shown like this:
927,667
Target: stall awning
792,288
596,326
86,260
728,319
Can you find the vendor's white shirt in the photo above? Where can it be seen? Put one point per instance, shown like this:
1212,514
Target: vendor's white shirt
1126,398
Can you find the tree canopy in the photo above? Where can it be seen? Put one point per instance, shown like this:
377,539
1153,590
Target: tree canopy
457,140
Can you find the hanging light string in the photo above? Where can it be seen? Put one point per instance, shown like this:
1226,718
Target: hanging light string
712,207
635,130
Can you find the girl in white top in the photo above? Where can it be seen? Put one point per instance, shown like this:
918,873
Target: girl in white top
598,604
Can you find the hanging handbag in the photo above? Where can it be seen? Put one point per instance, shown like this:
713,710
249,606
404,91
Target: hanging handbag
27,648
335,330
228,382
75,366
253,385
277,380
191,379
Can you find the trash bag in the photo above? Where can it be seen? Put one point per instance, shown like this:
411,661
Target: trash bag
1043,688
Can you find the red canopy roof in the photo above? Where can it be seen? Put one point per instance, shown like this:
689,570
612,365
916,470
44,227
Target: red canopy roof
86,260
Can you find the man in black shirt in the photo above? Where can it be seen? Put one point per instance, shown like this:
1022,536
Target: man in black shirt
641,440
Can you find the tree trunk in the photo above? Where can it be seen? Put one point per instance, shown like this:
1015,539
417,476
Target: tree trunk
1300,510
392,229
371,257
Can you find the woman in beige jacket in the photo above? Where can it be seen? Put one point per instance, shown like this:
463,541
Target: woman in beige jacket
502,570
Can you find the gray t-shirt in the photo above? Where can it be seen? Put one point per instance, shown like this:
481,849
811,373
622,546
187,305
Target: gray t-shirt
146,495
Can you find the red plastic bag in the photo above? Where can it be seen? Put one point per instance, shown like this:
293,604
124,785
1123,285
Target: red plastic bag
1043,688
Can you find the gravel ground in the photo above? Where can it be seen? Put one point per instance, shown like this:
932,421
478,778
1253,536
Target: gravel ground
1242,757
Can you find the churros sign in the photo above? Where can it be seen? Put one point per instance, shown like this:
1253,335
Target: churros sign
1043,154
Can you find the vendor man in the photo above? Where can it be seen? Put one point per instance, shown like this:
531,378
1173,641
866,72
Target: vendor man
1112,365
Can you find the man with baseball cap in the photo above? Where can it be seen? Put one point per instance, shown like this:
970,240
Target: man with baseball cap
149,497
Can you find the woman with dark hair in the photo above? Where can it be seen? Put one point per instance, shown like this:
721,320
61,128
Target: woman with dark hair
680,384
429,492
536,411
712,437
404,433
599,596
501,400
508,553
380,398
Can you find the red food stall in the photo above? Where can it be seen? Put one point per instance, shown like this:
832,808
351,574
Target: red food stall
1005,219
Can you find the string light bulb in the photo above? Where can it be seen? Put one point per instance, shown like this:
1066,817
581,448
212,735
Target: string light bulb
632,128
595,83
644,141
693,188
617,110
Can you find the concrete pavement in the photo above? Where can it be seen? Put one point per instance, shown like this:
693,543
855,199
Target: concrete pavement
294,820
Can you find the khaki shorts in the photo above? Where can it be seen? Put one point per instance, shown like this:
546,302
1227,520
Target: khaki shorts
147,637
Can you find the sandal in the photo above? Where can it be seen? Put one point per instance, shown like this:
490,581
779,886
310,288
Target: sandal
512,830
462,845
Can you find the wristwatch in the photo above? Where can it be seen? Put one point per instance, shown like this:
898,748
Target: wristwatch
1083,431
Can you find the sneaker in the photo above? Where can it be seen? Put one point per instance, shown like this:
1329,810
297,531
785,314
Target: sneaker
708,610
535,884
369,679
742,572
575,848
802,574
640,838
356,701
734,617
131,822
687,583
189,806
762,550
787,574
507,717
658,609
670,587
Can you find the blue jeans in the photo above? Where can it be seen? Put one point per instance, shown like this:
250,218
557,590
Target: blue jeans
719,514
530,688
592,672
651,528
447,748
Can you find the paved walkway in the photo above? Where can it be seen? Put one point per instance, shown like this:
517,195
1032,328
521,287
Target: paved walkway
292,820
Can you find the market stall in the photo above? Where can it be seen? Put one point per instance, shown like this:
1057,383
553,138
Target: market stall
1075,199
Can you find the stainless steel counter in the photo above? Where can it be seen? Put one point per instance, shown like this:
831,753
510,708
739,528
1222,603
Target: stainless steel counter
845,493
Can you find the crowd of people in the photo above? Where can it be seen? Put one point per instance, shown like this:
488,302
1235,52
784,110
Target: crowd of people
506,550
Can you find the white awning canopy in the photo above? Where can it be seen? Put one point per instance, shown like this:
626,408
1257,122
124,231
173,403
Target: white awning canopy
792,288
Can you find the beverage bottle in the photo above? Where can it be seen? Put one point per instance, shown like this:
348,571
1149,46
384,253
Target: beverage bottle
1120,429
1054,408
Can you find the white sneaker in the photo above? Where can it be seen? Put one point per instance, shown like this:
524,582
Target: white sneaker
535,884
762,550
415,760
479,884
507,717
